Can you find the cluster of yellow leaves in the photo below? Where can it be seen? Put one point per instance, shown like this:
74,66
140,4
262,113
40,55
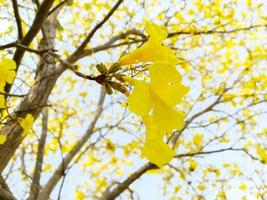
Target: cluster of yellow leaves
155,101
7,71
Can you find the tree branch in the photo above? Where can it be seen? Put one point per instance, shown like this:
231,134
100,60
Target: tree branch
111,194
109,44
60,171
4,195
216,32
30,35
80,49
57,6
46,77
26,48
35,186
208,152
18,20
5,192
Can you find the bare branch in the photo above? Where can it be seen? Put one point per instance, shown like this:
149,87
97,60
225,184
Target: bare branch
57,6
215,31
13,95
35,186
5,192
20,46
111,194
60,171
109,44
174,137
208,152
18,20
4,195
80,49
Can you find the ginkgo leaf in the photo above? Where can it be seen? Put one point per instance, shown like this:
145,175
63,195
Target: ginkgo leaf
26,123
152,50
166,117
2,139
7,70
262,154
198,139
155,150
243,187
192,165
140,101
166,83
156,32
2,101
79,195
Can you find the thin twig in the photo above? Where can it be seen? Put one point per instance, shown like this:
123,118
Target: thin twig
18,20
35,186
81,48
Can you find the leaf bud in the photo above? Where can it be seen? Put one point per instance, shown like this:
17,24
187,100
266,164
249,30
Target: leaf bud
101,68
114,68
117,86
108,89
119,77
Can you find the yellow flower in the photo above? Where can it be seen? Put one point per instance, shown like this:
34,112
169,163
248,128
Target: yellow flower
160,95
155,150
153,49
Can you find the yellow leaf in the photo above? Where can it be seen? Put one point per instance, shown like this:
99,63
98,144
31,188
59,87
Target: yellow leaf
155,150
166,83
197,139
79,195
2,101
243,187
192,165
26,123
177,188
140,101
221,195
7,70
152,50
167,118
224,140
2,139
263,154
201,187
